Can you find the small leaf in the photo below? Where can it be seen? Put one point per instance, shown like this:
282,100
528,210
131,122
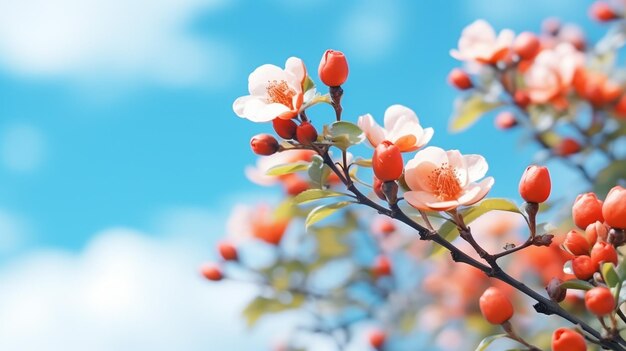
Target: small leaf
321,212
308,84
363,162
344,134
576,284
288,168
315,194
610,275
449,231
318,171
488,340
468,110
262,305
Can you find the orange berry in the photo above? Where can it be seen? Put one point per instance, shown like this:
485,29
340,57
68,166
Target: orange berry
603,252
535,184
526,45
599,301
597,230
306,133
495,306
567,147
459,79
387,162
564,339
587,209
377,339
227,251
583,267
521,99
333,69
211,272
285,128
602,12
382,266
264,144
614,208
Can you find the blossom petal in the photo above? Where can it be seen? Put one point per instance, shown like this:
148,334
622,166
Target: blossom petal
419,169
258,79
375,134
476,191
456,160
426,201
477,167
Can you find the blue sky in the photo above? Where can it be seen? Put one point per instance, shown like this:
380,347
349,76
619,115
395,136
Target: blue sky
118,114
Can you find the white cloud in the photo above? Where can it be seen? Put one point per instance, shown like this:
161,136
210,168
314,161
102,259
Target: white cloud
371,30
125,292
112,40
22,148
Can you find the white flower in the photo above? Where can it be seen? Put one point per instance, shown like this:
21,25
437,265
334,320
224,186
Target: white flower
402,128
274,92
444,180
552,72
479,42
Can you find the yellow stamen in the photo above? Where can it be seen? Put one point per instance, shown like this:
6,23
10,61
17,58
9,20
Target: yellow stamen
279,92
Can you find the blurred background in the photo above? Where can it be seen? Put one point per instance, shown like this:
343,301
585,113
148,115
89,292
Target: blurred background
120,156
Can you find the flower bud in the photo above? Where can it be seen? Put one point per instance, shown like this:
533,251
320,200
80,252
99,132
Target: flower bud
587,209
387,162
564,339
459,79
227,251
377,339
602,12
596,230
526,45
211,272
333,69
577,243
505,120
535,184
521,99
306,133
567,147
294,184
555,291
264,144
378,189
285,128
495,306
614,208
583,267
603,252
599,301
382,266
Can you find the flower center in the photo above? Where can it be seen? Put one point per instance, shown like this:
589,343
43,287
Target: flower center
445,182
279,92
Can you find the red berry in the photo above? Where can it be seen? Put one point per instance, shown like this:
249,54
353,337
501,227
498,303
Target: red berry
603,252
294,184
521,99
211,272
227,251
378,189
306,133
377,339
382,266
495,306
505,120
535,185
285,128
577,243
564,339
620,108
264,144
459,79
566,147
587,209
583,267
387,162
614,208
601,11
333,69
600,301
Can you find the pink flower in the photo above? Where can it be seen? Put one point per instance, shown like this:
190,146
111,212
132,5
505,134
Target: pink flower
402,128
444,180
552,73
479,42
274,92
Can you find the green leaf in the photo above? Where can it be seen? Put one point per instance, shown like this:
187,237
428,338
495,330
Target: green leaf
609,176
363,162
449,231
610,275
308,84
576,284
318,171
288,168
344,134
315,194
468,110
488,340
262,305
321,212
